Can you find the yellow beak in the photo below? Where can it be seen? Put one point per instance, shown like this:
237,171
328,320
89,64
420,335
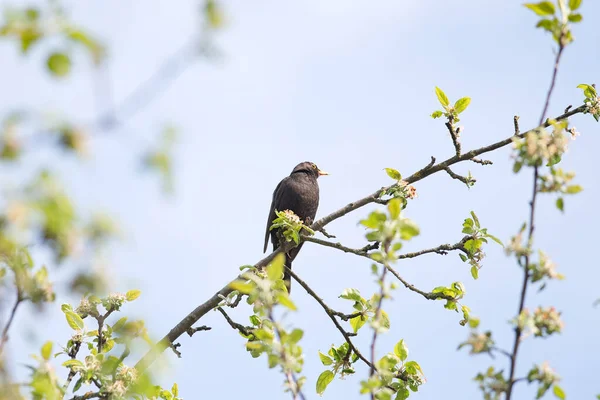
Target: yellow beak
321,173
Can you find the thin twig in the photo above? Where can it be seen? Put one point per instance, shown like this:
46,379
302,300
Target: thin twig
331,315
101,320
191,330
454,135
378,312
13,311
88,395
532,204
363,251
501,351
459,177
482,162
326,234
245,330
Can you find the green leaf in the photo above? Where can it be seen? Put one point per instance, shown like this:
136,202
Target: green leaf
546,24
559,392
574,4
385,320
462,257
474,272
73,363
295,336
553,160
542,9
574,189
462,104
59,64
402,393
394,174
325,359
401,350
357,322
560,204
575,18
351,294
66,307
394,208
475,219
74,320
443,99
588,90
133,294
324,380
175,390
437,114
495,239
275,269
374,220
242,287
408,229
284,300
47,350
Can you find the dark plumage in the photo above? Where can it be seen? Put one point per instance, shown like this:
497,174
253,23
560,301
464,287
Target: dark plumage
299,193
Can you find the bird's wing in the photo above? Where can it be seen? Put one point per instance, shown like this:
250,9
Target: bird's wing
276,196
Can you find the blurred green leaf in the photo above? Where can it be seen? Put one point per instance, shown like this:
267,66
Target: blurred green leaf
275,268
559,392
46,350
560,204
133,294
542,9
574,4
59,64
574,189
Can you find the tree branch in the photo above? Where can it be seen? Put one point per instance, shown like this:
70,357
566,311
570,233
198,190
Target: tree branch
245,330
431,169
4,337
331,315
428,170
532,204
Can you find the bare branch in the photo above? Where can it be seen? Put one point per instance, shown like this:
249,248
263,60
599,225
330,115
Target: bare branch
459,177
327,235
191,331
13,311
363,251
245,330
516,123
431,169
454,135
482,162
532,204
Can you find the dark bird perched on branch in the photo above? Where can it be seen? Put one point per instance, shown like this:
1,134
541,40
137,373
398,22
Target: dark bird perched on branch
299,193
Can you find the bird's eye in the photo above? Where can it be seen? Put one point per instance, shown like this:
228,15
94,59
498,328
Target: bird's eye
314,166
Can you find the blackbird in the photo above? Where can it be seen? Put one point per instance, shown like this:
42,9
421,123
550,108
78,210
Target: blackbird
299,193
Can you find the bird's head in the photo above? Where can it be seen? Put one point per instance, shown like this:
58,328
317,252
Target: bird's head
309,168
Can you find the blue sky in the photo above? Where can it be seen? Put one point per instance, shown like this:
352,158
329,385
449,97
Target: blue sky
348,85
